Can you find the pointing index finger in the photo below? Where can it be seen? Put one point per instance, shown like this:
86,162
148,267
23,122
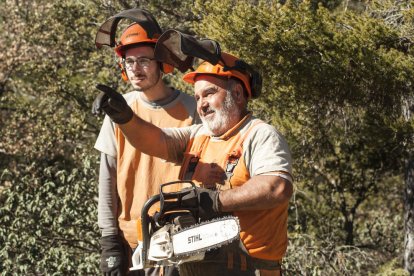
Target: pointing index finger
109,91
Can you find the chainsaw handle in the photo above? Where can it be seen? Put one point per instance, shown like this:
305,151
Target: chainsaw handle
176,205
145,221
162,187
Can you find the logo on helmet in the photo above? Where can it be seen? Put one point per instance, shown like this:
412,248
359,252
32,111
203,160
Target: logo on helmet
131,35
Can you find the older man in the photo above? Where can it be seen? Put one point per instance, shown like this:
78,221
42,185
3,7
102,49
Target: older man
241,164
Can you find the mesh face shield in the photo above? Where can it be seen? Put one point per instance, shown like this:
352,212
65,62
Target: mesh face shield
180,50
107,31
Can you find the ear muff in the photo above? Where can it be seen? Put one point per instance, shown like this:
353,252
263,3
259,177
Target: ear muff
255,81
256,84
123,71
167,68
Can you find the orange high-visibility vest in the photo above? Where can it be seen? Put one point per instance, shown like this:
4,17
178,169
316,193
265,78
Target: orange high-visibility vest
220,165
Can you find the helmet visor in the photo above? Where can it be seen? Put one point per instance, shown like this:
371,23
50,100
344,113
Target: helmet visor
107,31
179,50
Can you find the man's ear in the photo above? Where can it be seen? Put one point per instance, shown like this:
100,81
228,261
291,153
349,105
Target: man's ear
238,92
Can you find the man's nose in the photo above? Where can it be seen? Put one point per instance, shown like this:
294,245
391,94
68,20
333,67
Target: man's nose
203,103
136,68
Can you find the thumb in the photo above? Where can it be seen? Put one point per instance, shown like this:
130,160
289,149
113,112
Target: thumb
98,103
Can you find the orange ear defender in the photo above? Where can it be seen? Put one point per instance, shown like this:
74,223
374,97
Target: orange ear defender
123,72
166,68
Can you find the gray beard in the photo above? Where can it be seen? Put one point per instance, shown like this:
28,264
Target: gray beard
224,117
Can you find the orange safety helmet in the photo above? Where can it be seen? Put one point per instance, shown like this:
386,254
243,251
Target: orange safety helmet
134,35
219,69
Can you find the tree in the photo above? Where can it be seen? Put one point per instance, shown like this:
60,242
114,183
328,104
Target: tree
333,83
400,15
48,166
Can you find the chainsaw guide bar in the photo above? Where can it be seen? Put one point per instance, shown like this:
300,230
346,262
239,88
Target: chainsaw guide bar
206,235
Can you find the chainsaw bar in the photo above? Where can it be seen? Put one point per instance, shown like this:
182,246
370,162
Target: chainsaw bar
205,236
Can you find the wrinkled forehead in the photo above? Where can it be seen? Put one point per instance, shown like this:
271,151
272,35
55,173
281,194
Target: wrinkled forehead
205,82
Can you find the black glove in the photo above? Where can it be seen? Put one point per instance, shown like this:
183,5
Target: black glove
208,202
113,104
114,258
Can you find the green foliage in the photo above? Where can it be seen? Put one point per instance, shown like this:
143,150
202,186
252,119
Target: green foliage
391,268
308,255
335,84
48,183
47,220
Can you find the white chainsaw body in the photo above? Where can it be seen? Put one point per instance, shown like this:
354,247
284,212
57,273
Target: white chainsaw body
174,238
168,247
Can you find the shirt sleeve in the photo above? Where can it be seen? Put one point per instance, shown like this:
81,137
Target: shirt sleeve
177,140
266,150
108,197
106,142
107,188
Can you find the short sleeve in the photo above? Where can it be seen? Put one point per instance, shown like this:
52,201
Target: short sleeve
106,142
177,140
266,150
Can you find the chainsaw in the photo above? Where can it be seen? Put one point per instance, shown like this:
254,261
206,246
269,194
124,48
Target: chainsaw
175,234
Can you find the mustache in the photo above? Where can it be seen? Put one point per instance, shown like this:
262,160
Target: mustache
137,76
207,110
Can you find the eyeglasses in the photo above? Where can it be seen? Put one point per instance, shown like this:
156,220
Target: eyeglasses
142,62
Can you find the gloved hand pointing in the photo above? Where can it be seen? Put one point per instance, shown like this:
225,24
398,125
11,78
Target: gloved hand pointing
113,104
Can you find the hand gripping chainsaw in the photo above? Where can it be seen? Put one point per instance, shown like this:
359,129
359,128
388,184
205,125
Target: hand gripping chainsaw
175,234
